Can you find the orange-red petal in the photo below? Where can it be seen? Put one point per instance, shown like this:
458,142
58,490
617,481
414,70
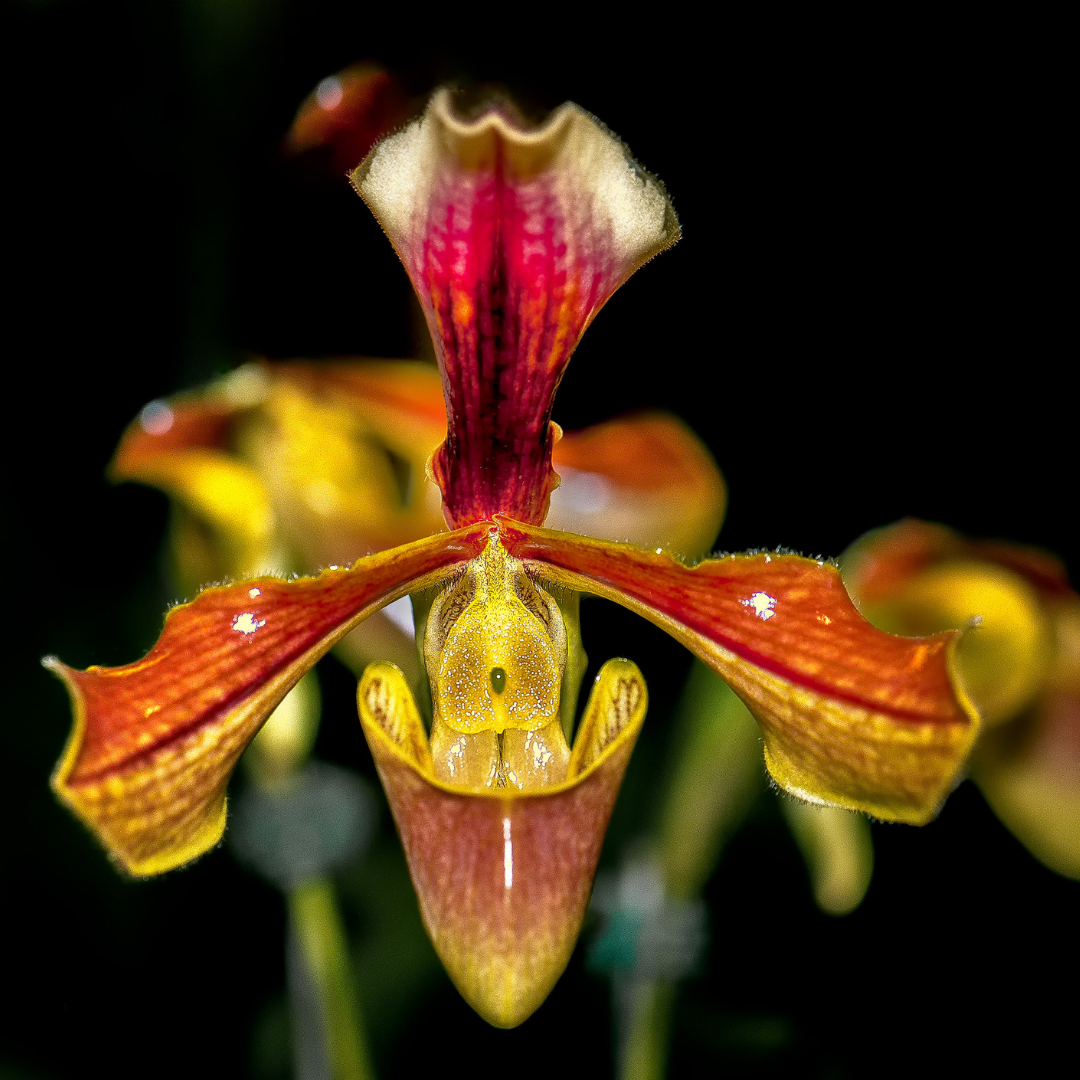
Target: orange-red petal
348,113
645,479
513,239
852,716
154,742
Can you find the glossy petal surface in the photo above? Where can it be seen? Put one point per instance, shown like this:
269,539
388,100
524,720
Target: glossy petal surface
503,878
644,479
852,716
155,741
347,113
513,240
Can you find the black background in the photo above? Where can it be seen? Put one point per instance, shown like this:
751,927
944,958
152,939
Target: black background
864,320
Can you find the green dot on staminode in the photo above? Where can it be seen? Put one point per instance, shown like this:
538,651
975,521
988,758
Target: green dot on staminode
498,680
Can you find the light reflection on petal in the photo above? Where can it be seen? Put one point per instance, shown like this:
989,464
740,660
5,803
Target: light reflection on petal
761,603
156,418
329,93
247,623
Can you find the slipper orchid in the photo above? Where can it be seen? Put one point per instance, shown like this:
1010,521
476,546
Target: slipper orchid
290,467
514,239
1020,663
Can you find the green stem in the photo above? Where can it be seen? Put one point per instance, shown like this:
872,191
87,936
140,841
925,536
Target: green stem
714,779
646,1049
317,924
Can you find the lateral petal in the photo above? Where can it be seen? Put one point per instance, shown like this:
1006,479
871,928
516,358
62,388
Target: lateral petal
503,878
852,716
645,479
154,742
513,239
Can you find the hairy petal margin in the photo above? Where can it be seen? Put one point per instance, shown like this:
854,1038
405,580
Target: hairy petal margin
154,742
852,716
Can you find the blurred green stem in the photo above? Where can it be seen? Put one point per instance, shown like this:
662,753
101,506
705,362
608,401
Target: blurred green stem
715,777
316,922
838,850
645,1052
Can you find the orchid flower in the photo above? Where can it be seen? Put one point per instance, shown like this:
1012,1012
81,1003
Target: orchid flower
292,467
1020,663
514,239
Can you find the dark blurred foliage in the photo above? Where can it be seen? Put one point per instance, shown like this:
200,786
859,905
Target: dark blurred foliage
864,320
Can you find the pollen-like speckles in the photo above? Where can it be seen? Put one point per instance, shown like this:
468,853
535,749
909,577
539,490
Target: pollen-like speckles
540,756
495,648
455,755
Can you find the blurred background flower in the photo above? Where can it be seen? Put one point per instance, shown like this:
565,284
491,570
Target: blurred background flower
1019,661
870,238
